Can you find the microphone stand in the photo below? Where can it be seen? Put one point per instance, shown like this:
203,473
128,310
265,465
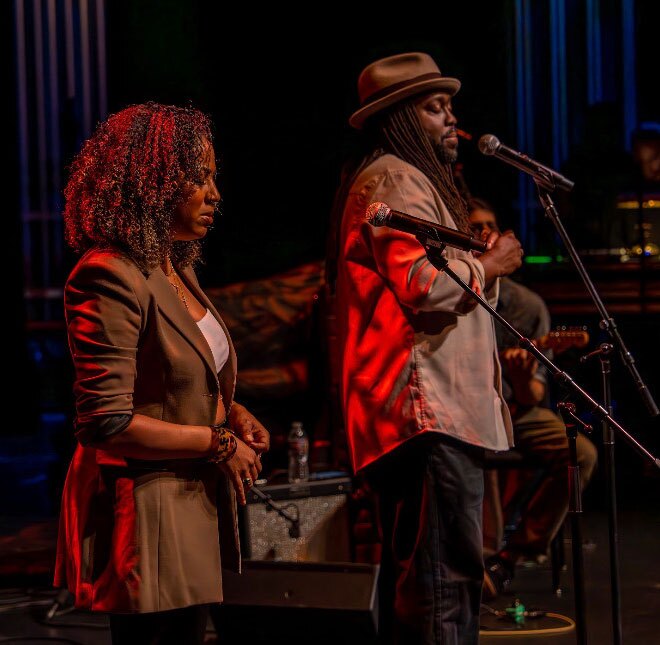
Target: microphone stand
607,324
434,250
294,522
567,411
603,353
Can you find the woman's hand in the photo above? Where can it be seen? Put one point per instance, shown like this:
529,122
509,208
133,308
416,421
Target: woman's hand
243,469
246,426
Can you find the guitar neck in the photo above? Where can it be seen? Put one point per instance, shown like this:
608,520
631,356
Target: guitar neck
562,339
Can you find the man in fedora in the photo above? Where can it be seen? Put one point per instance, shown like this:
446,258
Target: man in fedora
420,382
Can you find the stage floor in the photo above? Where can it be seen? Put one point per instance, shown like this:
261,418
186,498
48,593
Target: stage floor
25,596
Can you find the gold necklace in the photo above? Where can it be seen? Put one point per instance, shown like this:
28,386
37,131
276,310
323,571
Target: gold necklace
180,291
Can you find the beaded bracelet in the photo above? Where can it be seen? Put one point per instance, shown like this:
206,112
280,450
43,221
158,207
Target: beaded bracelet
223,444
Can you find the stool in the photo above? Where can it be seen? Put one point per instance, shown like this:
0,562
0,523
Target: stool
494,460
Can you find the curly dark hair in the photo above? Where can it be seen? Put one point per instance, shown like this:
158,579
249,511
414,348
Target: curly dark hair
128,178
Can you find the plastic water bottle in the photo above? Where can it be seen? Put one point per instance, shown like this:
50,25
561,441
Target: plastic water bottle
298,454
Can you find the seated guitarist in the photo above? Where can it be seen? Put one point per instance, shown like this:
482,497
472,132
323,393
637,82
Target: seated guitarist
538,433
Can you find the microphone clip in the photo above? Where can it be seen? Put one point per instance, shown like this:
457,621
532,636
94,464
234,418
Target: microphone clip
428,241
434,249
604,349
567,409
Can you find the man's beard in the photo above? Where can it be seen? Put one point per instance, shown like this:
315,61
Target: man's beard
443,154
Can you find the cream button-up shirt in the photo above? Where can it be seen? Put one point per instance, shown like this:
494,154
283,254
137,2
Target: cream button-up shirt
418,353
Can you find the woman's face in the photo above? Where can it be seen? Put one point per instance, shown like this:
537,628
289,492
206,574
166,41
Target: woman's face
195,214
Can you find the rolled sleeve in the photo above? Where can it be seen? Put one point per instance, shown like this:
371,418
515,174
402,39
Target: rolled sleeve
103,324
402,260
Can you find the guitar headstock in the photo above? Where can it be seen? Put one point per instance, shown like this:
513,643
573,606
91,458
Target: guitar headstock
563,338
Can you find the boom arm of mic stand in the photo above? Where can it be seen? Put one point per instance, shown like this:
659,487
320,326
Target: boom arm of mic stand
607,322
294,522
434,254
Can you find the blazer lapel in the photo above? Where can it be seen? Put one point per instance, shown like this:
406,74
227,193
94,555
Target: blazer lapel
229,370
172,308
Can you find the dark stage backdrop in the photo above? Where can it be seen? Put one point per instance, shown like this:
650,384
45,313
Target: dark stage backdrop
280,88
281,84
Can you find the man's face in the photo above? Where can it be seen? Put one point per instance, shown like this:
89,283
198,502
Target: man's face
483,222
436,116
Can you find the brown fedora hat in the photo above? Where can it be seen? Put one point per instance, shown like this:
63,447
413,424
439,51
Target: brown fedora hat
390,80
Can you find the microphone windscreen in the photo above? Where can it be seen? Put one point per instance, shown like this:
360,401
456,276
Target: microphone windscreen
488,144
377,213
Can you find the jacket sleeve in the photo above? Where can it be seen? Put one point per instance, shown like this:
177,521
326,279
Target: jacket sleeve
103,324
401,259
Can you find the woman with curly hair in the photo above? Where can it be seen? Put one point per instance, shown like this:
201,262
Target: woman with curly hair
149,504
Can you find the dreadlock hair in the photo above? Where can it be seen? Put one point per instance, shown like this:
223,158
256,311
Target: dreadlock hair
406,138
349,174
399,131
129,177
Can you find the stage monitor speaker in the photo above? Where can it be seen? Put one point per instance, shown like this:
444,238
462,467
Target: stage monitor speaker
321,507
298,602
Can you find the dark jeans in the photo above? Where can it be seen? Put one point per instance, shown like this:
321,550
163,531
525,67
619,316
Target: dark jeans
175,627
430,492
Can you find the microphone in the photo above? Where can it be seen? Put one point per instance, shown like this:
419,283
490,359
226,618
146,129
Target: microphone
294,528
549,179
379,214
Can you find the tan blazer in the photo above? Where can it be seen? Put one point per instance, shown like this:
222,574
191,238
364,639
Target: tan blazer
138,535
